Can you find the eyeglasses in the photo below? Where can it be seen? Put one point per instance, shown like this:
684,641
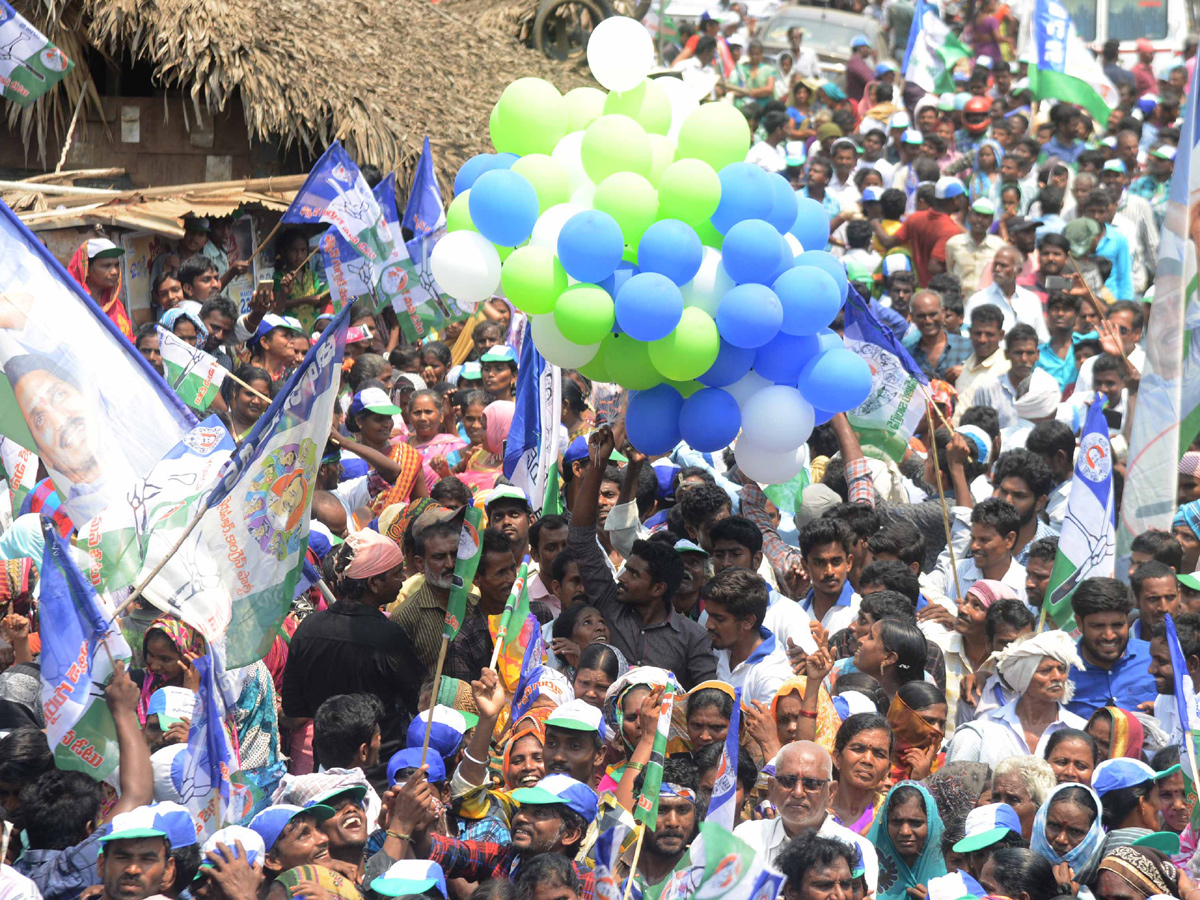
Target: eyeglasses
811,785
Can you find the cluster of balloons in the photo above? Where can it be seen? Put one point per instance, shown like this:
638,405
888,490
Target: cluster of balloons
648,253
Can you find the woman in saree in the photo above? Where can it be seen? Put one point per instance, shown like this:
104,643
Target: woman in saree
908,839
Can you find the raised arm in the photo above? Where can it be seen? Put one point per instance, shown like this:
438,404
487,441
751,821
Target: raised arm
137,777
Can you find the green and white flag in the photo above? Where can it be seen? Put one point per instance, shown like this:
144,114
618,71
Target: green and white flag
195,376
1063,69
29,64
21,470
470,549
932,51
719,866
1087,543
646,810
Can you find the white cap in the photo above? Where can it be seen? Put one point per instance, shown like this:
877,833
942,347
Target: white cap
899,120
103,248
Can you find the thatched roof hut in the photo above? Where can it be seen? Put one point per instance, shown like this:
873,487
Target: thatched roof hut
378,74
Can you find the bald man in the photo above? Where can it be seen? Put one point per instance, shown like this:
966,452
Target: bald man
801,789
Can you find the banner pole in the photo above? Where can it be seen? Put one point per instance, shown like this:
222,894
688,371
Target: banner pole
637,855
137,592
437,684
937,476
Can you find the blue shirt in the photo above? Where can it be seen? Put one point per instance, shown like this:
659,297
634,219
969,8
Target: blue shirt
1126,684
1063,370
1067,153
1115,246
62,874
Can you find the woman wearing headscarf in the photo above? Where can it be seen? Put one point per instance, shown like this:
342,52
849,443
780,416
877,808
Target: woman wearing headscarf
1067,831
773,726
1117,733
908,838
917,717
522,765
622,717
1186,528
985,174
1038,670
104,286
1147,872
487,427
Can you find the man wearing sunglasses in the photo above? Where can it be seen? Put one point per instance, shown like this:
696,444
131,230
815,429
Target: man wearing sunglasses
800,791
1123,321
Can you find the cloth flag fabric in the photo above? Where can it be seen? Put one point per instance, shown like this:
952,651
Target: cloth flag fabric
470,549
516,607
646,809
719,866
1185,711
21,470
1064,70
896,404
337,194
75,665
210,759
194,375
932,50
112,417
526,692
29,65
535,436
1087,542
606,853
1167,418
425,216
722,807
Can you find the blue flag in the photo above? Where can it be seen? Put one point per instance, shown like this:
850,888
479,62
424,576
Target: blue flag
74,665
722,807
534,437
527,692
424,213
863,326
210,758
1185,697
606,853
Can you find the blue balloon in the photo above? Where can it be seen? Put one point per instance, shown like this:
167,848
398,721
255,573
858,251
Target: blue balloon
784,357
505,160
710,420
786,259
590,246
830,340
731,365
649,306
810,299
749,315
838,379
613,282
751,252
652,419
811,227
671,248
820,417
470,171
746,193
784,206
829,263
504,207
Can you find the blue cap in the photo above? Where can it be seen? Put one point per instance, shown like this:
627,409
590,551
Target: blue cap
374,399
986,825
445,736
180,826
577,449
251,841
501,353
896,262
872,194
884,68
410,758
561,789
859,40
833,91
143,822
410,876
269,823
1114,774
948,188
271,321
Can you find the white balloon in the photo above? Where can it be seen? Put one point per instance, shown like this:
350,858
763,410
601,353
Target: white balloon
682,99
709,285
550,223
746,386
584,196
556,348
793,243
568,154
777,419
620,53
466,266
767,467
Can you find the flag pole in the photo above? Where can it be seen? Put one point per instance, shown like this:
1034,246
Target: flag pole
637,855
437,684
191,526
266,240
937,476
509,606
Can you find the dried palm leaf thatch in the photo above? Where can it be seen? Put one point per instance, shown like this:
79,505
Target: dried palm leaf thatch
377,74
508,18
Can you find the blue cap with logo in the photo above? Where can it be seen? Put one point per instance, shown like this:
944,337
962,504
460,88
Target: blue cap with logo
410,758
270,823
986,825
1115,774
410,876
561,789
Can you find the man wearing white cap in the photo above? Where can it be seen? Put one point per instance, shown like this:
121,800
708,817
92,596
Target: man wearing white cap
1160,166
970,253
135,857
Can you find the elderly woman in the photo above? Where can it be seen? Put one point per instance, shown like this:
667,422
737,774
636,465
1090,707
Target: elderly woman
1117,733
1186,528
862,757
1068,833
1023,783
908,837
1136,873
1037,669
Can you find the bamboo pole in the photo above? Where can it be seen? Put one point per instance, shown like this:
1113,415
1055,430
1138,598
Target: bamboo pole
937,476
137,592
437,683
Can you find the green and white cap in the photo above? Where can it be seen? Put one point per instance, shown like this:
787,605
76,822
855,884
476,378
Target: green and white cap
576,715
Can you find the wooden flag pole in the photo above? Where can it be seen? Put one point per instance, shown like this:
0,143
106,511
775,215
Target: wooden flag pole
437,684
191,526
637,855
514,597
937,476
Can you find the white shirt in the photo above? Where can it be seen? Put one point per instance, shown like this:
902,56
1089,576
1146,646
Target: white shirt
766,836
761,674
807,63
787,620
1000,394
1024,306
968,574
15,886
1056,503
1083,382
353,494
998,734
885,169
837,616
767,158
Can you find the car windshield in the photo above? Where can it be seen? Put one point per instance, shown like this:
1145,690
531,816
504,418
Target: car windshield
822,35
1128,20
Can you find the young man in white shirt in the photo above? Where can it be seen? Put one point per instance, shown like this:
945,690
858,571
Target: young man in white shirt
748,655
994,528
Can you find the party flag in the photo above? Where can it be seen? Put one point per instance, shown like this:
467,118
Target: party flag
1167,417
889,416
1185,712
534,442
646,810
719,866
606,853
932,50
205,780
516,609
525,692
29,65
21,470
1087,542
76,663
470,549
722,807
194,375
1064,70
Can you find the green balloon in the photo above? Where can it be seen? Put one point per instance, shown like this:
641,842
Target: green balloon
532,278
628,363
458,216
615,144
709,236
631,200
685,388
688,351
716,133
688,190
584,106
596,370
584,313
530,117
646,104
547,177
662,156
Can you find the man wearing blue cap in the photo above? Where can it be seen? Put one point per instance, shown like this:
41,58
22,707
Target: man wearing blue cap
292,836
858,70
